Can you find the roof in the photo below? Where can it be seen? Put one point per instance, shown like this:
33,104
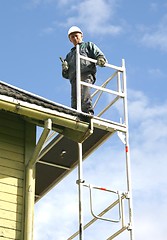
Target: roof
65,120
20,94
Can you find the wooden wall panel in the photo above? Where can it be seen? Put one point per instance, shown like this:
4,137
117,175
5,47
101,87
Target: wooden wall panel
12,158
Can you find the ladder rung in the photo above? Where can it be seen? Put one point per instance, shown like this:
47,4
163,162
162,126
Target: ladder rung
95,219
117,233
100,188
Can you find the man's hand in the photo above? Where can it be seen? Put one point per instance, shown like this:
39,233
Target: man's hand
101,61
65,65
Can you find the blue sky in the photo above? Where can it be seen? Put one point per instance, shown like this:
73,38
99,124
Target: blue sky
34,35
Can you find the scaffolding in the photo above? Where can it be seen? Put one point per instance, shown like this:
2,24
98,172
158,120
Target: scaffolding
103,124
119,93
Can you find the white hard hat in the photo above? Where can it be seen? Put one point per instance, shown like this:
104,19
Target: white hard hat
74,29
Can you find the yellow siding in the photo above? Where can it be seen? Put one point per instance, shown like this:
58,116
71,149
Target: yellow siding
12,172
4,188
11,198
12,206
12,132
14,141
6,146
5,223
11,180
7,154
6,121
12,147
12,164
8,234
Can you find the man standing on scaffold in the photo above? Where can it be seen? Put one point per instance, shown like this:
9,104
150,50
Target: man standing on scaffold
88,69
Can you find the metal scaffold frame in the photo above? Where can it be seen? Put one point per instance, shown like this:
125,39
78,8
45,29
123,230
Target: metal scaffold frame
120,93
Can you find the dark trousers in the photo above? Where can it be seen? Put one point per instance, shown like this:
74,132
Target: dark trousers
86,100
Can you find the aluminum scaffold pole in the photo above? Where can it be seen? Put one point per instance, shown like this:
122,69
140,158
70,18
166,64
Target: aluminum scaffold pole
80,168
80,190
128,167
78,79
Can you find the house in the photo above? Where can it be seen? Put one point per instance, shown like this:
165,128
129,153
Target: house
20,114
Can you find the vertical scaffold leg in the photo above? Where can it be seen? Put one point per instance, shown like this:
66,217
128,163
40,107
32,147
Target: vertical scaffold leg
80,189
129,187
128,167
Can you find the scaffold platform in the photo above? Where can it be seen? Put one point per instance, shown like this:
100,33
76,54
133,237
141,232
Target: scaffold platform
60,156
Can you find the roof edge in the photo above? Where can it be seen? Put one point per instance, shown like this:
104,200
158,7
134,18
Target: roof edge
69,124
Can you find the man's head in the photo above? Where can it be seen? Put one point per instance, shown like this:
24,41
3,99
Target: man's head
75,35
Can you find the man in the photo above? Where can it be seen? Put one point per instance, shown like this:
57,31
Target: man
88,69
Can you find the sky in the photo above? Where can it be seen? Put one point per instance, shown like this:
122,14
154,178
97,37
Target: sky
33,35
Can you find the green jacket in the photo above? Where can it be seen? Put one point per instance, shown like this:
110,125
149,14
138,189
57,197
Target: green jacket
87,49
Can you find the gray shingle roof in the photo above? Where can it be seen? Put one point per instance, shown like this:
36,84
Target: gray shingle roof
16,93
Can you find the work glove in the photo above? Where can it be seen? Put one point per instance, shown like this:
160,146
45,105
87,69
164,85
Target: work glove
64,65
101,61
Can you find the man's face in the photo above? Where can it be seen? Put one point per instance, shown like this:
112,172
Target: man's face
76,38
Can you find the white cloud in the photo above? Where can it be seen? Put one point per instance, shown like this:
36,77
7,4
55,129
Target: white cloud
156,73
37,3
154,6
48,30
148,138
148,141
95,16
51,212
156,36
141,108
